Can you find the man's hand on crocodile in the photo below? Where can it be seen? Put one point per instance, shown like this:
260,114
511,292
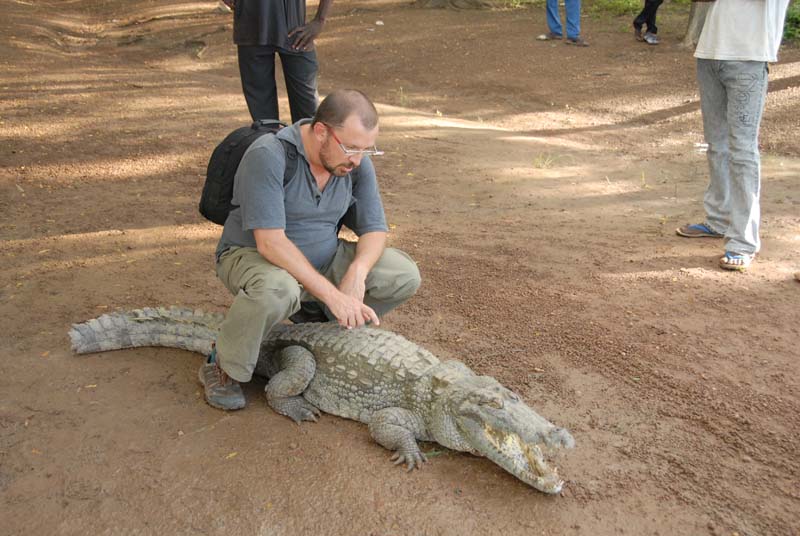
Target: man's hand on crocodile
351,312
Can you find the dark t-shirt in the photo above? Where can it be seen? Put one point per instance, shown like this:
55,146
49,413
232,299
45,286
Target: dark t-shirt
308,216
267,22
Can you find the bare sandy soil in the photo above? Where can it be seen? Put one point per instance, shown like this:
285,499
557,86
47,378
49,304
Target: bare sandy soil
537,185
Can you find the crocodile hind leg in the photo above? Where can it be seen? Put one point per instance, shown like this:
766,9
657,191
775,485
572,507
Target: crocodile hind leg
397,429
296,367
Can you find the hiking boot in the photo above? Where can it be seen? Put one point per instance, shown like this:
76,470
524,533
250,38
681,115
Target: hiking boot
309,312
221,391
650,38
637,32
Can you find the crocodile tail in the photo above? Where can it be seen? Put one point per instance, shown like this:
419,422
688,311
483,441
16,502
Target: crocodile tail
186,329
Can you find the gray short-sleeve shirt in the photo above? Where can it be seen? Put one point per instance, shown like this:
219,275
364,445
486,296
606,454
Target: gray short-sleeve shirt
309,217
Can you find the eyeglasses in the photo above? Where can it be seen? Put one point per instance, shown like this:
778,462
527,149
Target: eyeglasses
354,152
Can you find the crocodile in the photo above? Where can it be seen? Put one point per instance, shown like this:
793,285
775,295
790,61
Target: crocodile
400,390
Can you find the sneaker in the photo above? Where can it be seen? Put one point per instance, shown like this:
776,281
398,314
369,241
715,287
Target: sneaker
221,391
577,41
739,262
650,38
549,36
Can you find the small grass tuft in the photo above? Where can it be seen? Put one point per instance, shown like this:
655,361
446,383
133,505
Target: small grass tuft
544,161
616,7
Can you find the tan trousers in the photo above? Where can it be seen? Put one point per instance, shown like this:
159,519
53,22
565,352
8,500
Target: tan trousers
266,295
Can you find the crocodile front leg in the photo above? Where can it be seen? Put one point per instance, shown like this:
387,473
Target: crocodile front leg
296,369
397,429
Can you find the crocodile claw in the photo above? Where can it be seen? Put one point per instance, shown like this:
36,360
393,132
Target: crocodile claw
296,408
411,459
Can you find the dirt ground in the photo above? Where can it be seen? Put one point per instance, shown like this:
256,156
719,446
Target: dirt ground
537,185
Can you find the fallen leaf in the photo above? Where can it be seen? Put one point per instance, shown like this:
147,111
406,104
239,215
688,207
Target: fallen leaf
231,455
43,251
36,451
45,354
90,386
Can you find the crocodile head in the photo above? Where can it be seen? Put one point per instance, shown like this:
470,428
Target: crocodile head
480,416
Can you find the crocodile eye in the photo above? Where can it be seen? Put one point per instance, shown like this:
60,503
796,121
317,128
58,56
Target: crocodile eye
496,403
490,401
477,398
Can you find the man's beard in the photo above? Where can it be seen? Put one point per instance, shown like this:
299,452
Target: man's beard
331,168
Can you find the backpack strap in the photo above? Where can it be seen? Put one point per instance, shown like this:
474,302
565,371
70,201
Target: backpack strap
291,161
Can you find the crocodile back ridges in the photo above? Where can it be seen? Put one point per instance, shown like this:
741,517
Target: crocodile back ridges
365,348
187,329
358,371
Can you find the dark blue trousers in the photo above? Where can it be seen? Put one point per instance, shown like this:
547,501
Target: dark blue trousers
257,70
648,16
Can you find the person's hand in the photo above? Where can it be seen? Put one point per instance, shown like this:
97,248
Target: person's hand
304,35
350,311
353,285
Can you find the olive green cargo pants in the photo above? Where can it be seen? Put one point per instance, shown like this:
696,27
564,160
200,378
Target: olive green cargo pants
266,295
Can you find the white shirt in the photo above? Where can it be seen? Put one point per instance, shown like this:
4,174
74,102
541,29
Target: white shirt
743,30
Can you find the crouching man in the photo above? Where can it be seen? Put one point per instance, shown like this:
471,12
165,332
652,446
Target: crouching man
280,254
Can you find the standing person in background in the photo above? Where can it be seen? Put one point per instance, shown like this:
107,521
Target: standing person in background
262,28
738,40
648,17
572,11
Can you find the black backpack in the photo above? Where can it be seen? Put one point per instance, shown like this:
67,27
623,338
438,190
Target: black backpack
215,201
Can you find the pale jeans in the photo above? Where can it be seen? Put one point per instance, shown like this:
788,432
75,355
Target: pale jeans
266,295
732,95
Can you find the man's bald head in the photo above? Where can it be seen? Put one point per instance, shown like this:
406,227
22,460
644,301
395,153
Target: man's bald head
341,104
